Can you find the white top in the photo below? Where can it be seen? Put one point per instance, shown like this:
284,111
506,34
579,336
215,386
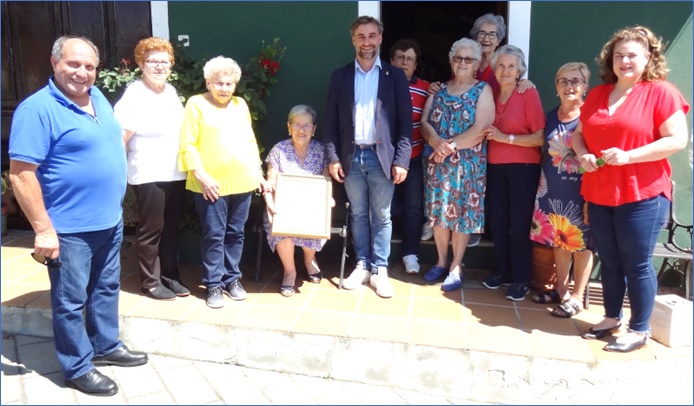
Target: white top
155,118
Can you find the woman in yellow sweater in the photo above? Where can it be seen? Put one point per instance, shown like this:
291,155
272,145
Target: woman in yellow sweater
220,153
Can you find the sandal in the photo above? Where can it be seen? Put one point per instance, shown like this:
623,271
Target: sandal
315,277
567,309
551,296
287,290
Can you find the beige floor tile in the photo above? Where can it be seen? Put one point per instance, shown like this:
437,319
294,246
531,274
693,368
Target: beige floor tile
498,339
435,292
560,346
231,314
331,299
372,304
270,317
430,309
542,320
493,316
439,333
379,327
19,294
486,296
328,322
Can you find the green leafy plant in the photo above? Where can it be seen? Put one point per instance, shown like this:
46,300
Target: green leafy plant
258,75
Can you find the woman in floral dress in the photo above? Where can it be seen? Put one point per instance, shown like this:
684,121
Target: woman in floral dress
299,155
455,179
558,219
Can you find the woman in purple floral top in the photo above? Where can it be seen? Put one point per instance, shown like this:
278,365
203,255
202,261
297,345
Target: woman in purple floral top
300,155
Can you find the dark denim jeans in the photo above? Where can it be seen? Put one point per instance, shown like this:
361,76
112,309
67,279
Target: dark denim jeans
222,236
511,190
408,202
89,280
370,193
625,237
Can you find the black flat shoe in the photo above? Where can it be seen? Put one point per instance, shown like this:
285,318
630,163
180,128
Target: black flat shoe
626,347
316,277
593,334
159,292
122,357
93,383
176,287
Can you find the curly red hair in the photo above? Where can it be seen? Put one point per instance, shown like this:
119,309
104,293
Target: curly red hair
152,44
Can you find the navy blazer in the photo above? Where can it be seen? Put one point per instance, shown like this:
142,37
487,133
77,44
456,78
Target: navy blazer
393,130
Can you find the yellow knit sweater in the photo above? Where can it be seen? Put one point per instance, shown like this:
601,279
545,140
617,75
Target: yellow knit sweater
220,141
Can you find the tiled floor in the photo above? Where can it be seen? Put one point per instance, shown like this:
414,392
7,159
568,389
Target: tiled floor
473,318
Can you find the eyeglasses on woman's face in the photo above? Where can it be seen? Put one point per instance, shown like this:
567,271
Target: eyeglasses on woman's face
306,127
461,59
484,34
564,82
152,63
403,59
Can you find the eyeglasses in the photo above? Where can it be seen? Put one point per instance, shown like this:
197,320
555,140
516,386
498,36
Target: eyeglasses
403,58
222,84
482,34
44,260
153,64
466,59
307,127
564,82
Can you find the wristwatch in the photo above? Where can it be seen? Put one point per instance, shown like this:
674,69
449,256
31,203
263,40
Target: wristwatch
511,138
455,146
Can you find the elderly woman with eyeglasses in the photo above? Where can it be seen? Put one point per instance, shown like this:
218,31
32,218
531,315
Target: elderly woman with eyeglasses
558,219
453,121
220,153
513,173
299,155
150,114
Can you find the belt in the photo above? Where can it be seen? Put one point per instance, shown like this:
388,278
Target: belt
367,146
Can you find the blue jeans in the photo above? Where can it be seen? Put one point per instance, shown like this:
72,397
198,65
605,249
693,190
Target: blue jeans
370,193
88,279
625,237
408,201
222,236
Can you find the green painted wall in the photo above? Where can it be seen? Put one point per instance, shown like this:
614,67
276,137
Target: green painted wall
568,31
316,35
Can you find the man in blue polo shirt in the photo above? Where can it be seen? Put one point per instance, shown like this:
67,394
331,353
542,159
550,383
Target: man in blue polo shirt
68,171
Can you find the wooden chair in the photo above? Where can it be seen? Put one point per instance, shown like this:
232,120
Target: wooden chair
342,231
676,256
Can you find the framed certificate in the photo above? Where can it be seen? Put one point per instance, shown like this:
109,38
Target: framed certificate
302,206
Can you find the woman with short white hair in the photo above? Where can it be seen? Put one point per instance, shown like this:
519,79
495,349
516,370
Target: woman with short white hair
220,153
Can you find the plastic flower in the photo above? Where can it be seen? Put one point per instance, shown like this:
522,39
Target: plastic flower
567,236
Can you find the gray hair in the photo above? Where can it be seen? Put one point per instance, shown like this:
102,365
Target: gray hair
301,109
509,49
497,21
466,43
59,44
219,66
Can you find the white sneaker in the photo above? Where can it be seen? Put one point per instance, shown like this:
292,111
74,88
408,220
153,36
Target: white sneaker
358,277
427,232
381,283
411,263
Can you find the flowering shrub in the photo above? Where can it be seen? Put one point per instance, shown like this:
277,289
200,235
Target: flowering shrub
187,77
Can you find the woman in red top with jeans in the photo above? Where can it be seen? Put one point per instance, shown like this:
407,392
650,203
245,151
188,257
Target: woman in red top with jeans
629,126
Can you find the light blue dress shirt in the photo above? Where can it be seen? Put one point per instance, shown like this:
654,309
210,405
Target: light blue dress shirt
365,94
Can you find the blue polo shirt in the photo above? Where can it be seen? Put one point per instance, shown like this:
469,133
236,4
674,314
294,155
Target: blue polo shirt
81,161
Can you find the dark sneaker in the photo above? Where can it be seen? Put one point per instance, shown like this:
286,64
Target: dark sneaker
159,292
236,290
176,287
215,297
496,281
517,291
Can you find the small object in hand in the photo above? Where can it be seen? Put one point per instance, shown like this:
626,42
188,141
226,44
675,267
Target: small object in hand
599,161
44,260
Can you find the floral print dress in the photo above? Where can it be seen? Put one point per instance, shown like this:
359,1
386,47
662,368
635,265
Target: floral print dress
454,189
283,158
558,215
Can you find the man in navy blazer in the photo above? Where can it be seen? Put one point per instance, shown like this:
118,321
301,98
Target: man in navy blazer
367,133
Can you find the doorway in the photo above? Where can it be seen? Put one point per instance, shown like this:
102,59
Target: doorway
435,25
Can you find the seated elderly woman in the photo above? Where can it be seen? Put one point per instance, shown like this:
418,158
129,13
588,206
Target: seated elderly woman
452,123
300,155
220,153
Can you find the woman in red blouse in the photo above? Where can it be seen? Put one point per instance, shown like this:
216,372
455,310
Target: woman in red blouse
628,127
